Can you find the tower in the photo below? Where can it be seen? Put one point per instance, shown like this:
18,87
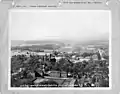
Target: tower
101,52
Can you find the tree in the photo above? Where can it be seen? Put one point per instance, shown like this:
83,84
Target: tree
61,65
85,54
77,69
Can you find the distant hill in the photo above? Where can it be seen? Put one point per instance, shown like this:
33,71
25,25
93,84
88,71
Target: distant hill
61,42
34,42
51,44
93,42
44,42
36,45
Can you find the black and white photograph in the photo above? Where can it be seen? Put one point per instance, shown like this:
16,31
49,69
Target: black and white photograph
59,49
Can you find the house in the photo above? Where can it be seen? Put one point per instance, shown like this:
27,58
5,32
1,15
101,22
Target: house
41,53
73,57
58,58
84,59
95,57
76,61
57,74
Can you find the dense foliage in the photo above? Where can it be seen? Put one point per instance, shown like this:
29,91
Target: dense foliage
97,71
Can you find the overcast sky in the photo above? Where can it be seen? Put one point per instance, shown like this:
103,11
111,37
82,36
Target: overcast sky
70,25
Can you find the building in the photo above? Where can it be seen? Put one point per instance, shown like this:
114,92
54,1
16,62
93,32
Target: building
101,53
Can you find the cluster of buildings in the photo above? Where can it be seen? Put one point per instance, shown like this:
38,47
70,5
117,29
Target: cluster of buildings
74,57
